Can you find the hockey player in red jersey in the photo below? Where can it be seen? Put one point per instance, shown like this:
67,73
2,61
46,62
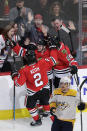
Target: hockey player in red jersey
42,51
67,65
35,77
20,51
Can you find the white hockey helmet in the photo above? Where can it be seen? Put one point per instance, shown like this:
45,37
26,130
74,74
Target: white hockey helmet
65,80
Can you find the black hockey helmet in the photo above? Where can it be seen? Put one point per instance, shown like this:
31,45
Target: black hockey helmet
30,57
41,42
54,42
32,46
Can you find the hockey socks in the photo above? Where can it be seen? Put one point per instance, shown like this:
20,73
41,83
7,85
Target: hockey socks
34,113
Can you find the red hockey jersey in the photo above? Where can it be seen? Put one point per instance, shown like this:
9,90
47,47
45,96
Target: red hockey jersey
35,75
65,60
43,54
20,51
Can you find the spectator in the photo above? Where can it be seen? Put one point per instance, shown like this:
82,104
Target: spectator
43,10
26,43
36,29
63,35
19,13
1,30
70,7
56,11
60,1
16,36
5,38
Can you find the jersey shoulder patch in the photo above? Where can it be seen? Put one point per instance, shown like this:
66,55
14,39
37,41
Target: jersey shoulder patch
23,67
64,51
46,59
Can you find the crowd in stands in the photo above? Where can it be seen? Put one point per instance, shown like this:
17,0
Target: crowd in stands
31,20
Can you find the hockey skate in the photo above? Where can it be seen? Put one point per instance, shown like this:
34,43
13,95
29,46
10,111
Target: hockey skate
40,112
36,123
43,114
46,114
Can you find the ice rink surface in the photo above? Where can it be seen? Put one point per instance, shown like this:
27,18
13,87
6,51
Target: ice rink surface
24,124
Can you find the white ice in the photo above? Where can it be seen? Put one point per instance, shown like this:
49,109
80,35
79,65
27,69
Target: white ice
24,124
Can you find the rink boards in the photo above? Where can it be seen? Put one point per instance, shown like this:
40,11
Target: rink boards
7,95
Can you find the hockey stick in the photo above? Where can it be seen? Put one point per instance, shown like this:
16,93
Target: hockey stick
82,84
7,42
79,89
76,79
71,41
14,103
14,85
14,95
69,33
80,101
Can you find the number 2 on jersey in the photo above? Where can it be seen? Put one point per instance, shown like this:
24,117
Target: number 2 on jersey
38,81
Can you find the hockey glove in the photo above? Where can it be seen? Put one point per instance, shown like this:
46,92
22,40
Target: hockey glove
52,110
14,71
73,69
81,106
31,46
52,117
52,44
10,43
73,53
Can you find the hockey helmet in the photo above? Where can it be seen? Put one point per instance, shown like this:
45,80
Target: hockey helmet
65,80
41,42
54,41
30,57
